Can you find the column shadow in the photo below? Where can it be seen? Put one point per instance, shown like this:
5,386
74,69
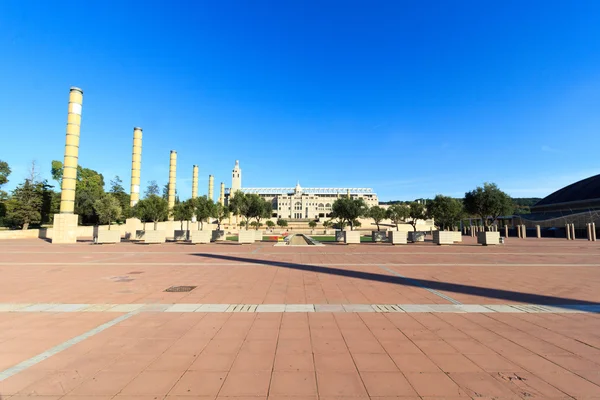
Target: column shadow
479,291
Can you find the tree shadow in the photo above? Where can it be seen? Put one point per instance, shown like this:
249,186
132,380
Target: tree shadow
479,291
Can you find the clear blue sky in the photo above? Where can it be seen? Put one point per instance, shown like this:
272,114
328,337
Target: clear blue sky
412,98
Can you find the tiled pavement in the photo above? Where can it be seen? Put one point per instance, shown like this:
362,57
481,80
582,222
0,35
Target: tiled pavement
332,322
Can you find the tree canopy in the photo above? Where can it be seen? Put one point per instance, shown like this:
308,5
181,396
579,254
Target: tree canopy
220,213
25,205
4,172
488,203
204,208
250,206
347,210
416,211
377,214
153,208
445,211
398,213
108,209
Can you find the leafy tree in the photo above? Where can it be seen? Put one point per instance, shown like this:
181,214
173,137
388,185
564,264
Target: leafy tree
312,224
204,208
488,202
250,206
108,209
243,224
4,172
398,213
165,194
239,204
356,223
327,224
90,187
152,189
153,208
117,190
25,205
220,213
445,211
270,224
377,214
255,224
416,211
347,210
259,208
57,171
282,223
184,211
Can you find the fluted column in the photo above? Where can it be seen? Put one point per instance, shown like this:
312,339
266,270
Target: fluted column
211,187
136,166
222,194
172,182
195,182
69,177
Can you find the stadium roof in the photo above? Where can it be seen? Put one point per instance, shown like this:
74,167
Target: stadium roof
583,193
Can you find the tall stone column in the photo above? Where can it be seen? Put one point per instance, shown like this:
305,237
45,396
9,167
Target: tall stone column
65,223
136,166
538,231
222,194
211,187
195,182
172,182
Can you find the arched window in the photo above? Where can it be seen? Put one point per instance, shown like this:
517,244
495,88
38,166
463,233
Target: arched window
328,205
298,206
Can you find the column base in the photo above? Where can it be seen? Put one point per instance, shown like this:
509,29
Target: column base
64,228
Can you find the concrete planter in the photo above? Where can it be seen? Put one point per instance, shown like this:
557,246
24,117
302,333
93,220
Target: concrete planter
352,237
457,236
488,238
443,237
245,236
339,236
108,236
416,236
200,236
258,235
140,234
218,236
397,237
379,236
155,237
179,235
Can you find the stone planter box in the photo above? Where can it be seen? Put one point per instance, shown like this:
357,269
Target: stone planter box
245,236
397,237
352,237
108,236
339,236
457,236
218,236
179,235
155,237
258,235
416,236
379,236
443,237
488,238
140,234
200,236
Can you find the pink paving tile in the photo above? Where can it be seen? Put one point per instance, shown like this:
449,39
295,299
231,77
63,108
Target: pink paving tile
246,384
199,383
433,384
248,361
213,362
340,384
341,362
481,384
454,363
571,384
374,363
414,363
297,383
157,383
294,362
387,384
55,384
103,384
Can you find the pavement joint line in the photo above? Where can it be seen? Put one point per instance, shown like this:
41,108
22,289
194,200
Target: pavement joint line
269,263
55,308
22,366
415,282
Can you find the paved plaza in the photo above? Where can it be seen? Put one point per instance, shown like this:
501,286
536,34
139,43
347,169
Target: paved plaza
518,321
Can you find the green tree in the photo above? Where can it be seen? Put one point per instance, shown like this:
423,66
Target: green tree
153,208
356,223
25,205
347,210
488,203
239,204
398,213
282,223
312,224
259,208
445,211
255,224
250,206
270,224
184,211
377,214
327,224
117,190
108,209
416,211
152,189
220,213
4,172
57,171
204,208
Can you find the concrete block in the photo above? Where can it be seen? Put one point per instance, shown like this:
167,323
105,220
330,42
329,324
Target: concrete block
339,236
488,238
443,237
245,236
132,225
351,237
181,235
397,237
416,236
457,236
379,236
200,236
108,236
218,236
155,237
258,235
64,228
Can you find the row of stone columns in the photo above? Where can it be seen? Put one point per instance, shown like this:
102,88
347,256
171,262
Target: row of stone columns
591,231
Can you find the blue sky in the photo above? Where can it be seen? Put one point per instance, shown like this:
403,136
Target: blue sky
411,98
